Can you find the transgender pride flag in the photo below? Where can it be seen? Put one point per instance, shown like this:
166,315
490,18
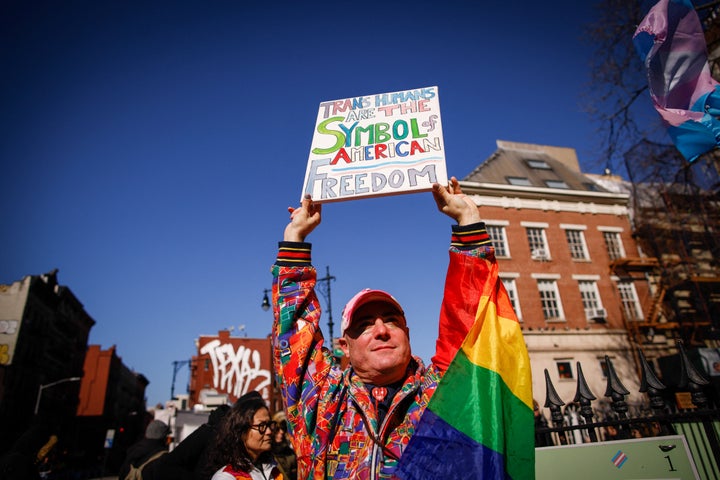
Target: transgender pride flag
671,42
479,424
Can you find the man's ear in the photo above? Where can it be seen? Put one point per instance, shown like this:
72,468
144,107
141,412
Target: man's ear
343,344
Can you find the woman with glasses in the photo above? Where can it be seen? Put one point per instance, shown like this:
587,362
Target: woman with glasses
242,446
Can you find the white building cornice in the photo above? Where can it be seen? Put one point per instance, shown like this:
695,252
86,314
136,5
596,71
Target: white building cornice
478,188
519,203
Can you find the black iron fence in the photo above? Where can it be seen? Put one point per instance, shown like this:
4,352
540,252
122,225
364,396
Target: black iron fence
578,422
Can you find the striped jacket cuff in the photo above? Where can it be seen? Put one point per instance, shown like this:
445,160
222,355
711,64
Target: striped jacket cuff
467,237
293,254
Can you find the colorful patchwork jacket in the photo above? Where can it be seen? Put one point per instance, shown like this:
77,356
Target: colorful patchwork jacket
332,418
268,472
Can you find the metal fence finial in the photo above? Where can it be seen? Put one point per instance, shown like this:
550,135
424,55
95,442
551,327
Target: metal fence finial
691,379
554,402
584,396
651,384
616,390
551,396
583,392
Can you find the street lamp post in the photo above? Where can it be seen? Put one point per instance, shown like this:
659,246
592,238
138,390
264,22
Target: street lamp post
266,301
323,285
52,384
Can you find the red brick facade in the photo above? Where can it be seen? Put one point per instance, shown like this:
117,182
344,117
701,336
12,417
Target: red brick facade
227,367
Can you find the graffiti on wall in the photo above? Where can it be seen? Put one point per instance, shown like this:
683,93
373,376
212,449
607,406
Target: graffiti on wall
235,371
8,333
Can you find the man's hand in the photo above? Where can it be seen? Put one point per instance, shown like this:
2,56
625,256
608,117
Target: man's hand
452,202
303,220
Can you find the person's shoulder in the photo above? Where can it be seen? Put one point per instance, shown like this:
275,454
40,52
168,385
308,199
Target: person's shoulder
229,473
276,473
135,451
195,442
272,470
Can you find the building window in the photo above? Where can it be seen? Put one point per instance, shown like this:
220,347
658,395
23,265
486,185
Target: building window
550,298
591,300
629,299
511,289
589,294
614,245
604,366
564,370
519,181
576,242
538,243
537,164
499,240
556,184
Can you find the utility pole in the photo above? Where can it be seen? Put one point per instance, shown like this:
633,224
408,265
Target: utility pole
325,290
323,286
177,365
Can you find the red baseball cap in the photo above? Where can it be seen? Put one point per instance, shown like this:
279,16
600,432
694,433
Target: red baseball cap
360,299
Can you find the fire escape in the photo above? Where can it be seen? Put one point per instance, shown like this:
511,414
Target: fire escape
676,222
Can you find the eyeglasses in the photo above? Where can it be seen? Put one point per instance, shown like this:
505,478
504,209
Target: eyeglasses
262,427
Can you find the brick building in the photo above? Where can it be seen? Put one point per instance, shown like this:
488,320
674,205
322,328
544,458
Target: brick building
43,336
556,233
112,399
52,382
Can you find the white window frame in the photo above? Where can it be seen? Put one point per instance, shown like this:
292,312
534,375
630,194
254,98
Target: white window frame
613,242
500,242
590,295
560,184
508,280
578,246
519,181
537,240
629,301
537,164
550,299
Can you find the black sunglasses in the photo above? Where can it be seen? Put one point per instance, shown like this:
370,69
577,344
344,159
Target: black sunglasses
262,427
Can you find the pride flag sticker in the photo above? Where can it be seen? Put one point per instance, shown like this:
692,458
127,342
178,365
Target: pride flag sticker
619,459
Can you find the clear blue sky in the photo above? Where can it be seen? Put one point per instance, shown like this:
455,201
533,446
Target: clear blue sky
150,149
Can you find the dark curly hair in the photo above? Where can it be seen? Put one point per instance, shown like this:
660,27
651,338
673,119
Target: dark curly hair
229,443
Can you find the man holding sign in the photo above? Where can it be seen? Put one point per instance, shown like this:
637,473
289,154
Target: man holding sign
357,422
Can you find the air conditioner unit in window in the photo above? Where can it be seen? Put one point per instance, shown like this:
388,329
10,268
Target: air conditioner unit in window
538,254
597,314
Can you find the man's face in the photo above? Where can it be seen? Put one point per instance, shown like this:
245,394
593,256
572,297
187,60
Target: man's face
377,343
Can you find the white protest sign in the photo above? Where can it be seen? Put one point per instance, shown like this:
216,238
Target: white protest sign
376,145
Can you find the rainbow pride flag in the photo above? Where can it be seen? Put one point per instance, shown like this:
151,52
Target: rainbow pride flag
671,43
480,422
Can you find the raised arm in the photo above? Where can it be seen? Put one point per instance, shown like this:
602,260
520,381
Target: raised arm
301,363
303,220
454,203
471,256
